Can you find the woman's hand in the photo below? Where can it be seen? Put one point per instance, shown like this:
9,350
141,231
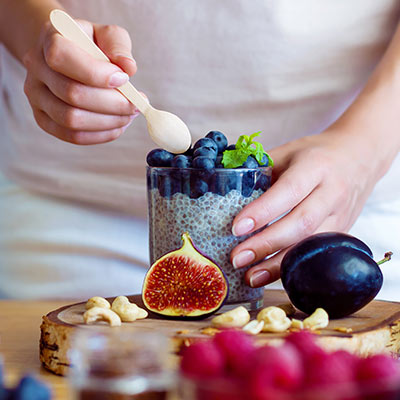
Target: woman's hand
321,183
71,93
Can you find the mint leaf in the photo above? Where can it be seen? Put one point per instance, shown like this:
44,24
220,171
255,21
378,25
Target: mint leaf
245,146
234,158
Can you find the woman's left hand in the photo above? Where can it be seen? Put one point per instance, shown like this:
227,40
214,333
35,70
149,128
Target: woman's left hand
320,183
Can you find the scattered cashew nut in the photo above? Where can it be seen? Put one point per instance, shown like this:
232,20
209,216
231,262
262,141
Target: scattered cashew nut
297,324
97,301
236,318
127,311
95,314
254,327
317,320
275,319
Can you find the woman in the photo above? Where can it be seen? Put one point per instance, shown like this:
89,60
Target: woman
318,78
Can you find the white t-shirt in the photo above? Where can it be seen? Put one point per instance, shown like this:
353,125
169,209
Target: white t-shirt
286,68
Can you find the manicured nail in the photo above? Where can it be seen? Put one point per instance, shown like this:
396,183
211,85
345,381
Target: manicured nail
259,278
242,227
244,258
117,79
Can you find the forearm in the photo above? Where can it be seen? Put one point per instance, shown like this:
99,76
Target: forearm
374,117
21,22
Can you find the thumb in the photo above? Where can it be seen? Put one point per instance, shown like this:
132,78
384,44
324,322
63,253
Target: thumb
116,44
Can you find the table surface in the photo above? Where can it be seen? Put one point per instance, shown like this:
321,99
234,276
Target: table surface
19,342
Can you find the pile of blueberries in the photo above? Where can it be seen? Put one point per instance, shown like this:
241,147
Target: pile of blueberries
194,172
28,388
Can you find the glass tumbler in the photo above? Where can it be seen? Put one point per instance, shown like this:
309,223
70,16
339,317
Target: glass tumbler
204,204
120,364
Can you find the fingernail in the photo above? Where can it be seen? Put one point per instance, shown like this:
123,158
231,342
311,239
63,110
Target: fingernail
259,278
118,79
244,258
242,227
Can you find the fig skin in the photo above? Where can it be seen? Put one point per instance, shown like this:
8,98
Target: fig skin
185,284
331,270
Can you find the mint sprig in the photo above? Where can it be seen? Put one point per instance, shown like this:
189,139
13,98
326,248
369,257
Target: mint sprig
245,146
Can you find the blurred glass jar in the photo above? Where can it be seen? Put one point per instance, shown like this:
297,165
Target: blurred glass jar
120,364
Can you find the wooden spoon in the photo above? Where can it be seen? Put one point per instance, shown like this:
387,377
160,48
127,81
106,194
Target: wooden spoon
166,130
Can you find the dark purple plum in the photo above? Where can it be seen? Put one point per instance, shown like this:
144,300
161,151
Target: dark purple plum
331,270
219,138
206,142
159,158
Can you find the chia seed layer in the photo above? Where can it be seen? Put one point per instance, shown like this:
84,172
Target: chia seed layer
208,219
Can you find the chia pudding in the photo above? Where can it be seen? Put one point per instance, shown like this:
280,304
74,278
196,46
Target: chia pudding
176,206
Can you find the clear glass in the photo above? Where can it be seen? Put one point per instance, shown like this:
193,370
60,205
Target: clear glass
120,364
204,203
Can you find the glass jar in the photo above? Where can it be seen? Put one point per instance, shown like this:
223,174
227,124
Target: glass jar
204,204
120,364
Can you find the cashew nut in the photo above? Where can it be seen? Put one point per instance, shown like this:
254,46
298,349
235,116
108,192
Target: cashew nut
97,301
275,319
317,320
254,327
127,311
297,324
236,318
95,314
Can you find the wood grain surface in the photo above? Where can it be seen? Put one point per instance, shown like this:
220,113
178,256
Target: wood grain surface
375,328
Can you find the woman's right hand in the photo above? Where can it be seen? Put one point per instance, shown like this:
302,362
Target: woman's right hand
72,94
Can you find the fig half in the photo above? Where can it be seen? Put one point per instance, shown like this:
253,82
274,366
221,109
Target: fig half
184,283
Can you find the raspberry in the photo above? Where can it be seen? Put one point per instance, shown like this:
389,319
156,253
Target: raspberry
280,367
305,343
238,349
377,367
379,377
202,360
329,369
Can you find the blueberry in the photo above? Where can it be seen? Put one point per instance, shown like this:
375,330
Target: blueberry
264,161
188,152
205,151
250,163
198,188
218,138
263,182
222,184
248,183
206,142
180,161
29,388
231,147
168,185
159,158
203,162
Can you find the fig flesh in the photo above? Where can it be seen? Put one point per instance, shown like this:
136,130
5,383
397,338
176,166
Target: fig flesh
184,283
333,271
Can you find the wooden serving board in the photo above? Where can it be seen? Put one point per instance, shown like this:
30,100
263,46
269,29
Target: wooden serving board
375,328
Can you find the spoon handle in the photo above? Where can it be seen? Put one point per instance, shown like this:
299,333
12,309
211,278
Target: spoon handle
71,30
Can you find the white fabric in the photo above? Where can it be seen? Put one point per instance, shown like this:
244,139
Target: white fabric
288,68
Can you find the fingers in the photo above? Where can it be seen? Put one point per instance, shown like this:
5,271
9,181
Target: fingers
291,188
299,223
116,44
268,271
66,58
72,136
76,94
